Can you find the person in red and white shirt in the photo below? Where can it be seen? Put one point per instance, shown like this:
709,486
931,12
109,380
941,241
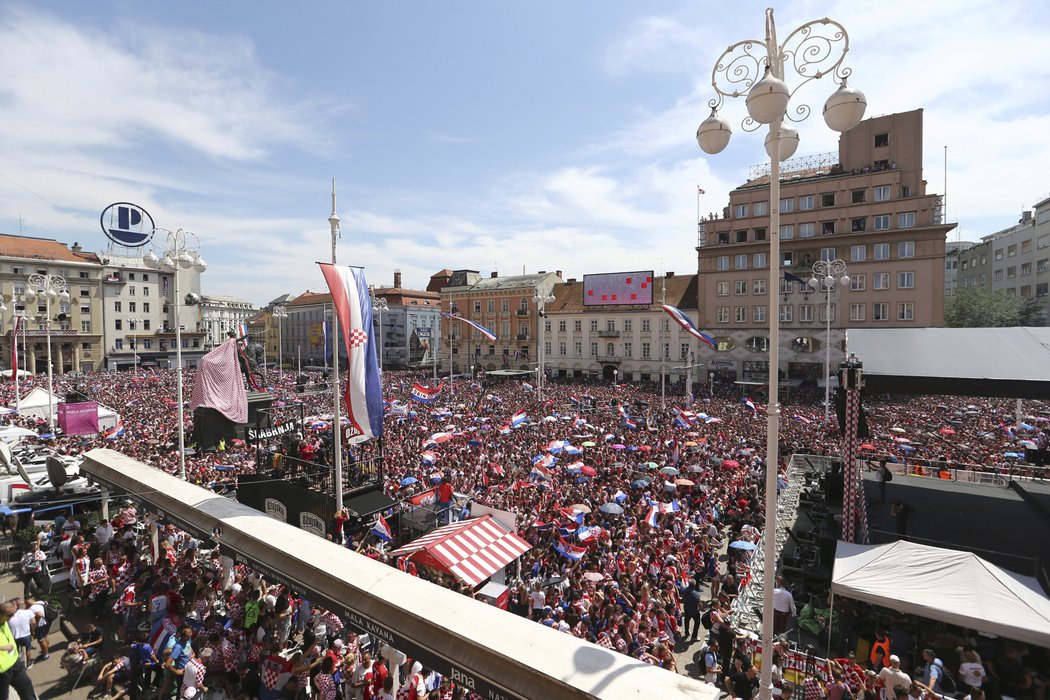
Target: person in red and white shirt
193,676
324,681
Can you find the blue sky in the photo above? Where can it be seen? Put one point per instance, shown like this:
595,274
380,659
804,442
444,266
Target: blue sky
486,135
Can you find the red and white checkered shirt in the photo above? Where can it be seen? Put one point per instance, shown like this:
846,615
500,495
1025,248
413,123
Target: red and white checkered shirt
273,667
98,579
325,686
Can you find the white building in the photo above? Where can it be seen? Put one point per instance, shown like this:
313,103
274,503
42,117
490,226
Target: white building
220,313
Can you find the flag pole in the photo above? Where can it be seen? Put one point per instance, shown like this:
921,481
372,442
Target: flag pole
337,421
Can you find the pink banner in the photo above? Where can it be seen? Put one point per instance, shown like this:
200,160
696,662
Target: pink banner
78,418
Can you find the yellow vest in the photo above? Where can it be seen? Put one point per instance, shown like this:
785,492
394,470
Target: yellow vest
7,658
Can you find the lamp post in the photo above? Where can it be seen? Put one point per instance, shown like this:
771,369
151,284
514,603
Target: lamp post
541,301
14,341
825,272
337,421
813,50
181,252
379,304
280,313
49,287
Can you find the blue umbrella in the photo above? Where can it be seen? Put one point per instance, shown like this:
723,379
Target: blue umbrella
743,544
639,484
611,508
409,480
474,443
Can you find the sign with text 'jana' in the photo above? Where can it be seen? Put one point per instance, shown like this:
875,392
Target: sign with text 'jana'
127,224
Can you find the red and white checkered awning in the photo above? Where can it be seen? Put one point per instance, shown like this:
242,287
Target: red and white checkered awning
471,549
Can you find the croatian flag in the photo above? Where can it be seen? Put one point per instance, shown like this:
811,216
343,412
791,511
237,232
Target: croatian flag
682,320
439,438
653,512
518,418
428,457
424,394
382,530
671,507
801,419
570,551
587,534
242,331
541,471
114,432
424,499
545,461
619,496
681,422
476,326
526,386
364,393
574,400
628,423
750,404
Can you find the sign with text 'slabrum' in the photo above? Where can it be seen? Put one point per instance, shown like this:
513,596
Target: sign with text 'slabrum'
127,224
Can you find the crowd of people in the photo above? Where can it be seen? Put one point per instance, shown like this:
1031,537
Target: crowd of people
630,500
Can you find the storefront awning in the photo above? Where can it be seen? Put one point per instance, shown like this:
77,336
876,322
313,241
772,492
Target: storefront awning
471,549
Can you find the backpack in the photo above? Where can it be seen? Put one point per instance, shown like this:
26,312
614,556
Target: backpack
887,475
705,619
947,681
703,660
50,613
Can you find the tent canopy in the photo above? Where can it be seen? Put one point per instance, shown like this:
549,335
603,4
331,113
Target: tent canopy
471,549
959,588
36,402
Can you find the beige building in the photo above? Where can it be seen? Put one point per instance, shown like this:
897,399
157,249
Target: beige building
75,325
866,205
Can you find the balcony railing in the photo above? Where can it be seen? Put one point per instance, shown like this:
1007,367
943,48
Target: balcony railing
607,358
608,334
523,336
523,312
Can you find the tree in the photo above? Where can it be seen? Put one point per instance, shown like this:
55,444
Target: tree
979,307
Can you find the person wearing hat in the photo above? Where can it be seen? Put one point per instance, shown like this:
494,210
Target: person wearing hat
892,676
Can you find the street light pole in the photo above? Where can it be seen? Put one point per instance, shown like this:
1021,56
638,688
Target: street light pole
541,301
48,286
825,272
337,422
380,304
280,313
182,250
813,50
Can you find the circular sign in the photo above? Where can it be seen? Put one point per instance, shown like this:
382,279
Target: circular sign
127,224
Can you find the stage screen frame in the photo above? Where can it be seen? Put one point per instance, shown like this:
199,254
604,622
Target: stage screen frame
616,288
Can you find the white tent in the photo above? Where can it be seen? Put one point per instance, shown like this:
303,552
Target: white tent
35,403
107,418
942,584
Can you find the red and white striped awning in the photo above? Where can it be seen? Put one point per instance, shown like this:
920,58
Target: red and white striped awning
471,549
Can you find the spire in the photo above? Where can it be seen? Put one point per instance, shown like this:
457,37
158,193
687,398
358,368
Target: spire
334,218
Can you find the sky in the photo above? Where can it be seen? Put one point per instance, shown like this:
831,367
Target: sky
474,134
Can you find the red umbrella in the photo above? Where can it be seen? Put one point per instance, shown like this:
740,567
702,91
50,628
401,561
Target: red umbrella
588,470
731,463
946,431
866,446
644,448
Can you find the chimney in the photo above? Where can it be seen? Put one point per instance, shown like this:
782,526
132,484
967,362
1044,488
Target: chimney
542,272
558,273
397,279
76,247
668,275
571,280
494,274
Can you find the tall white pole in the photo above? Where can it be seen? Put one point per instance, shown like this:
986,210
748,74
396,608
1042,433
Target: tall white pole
50,369
178,368
14,339
827,353
280,345
663,355
541,350
337,423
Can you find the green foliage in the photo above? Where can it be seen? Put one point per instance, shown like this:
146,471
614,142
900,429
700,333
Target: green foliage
28,535
978,307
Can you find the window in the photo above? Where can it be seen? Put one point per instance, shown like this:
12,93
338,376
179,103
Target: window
145,277
740,315
722,289
722,262
997,276
825,315
561,327
646,351
646,325
627,325
882,193
147,344
118,324
594,349
999,254
740,263
758,313
131,276
760,208
145,324
1041,289
882,140
1026,290
827,254
806,230
759,344
577,325
741,287
477,307
858,224
1011,251
547,325
856,312
760,233
881,251
758,286
758,261
857,253
857,283
145,291
1026,246
906,311
905,191
118,344
906,219
85,309
145,307
787,231
505,305
492,305
85,326
1011,272
131,307
561,348
906,249
880,311
741,211
805,202
667,351
627,350
594,325
827,199
787,205
722,314
1042,265
1044,241
786,286
685,351
805,313
741,236
858,196
86,291
786,314
905,280
880,280
116,306
524,305
882,222
1026,269
131,292
827,228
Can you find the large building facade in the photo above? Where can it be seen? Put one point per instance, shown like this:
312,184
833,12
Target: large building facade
865,205
505,306
408,322
220,314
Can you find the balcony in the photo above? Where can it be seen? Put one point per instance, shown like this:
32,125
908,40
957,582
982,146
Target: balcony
523,312
522,336
608,334
114,278
607,358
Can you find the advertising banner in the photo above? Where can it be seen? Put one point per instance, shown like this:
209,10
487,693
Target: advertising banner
78,418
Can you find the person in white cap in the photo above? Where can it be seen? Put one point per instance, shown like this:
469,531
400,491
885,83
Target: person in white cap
414,688
892,676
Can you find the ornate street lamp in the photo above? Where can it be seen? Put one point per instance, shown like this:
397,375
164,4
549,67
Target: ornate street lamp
49,287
